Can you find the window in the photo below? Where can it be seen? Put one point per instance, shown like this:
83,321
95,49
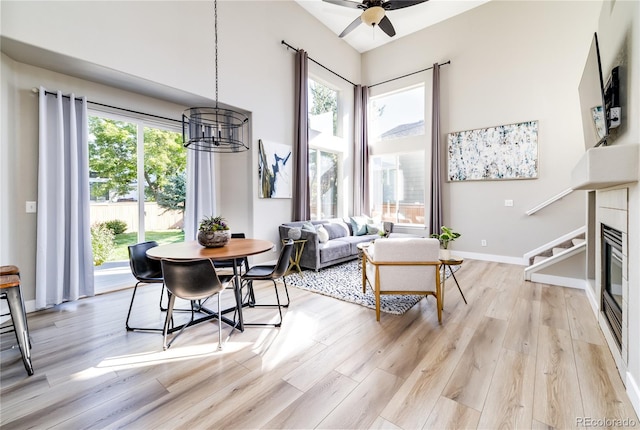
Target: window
325,151
137,179
323,109
397,165
397,115
323,181
398,187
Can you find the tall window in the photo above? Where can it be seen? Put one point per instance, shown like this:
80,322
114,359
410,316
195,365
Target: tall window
397,115
397,164
325,151
397,187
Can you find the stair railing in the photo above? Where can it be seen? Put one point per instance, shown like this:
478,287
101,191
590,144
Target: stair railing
550,201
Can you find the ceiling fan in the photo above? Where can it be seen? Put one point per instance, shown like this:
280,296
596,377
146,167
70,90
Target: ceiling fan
374,13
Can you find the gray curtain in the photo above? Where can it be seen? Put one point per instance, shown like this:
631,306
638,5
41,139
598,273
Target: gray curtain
64,260
435,217
361,152
301,203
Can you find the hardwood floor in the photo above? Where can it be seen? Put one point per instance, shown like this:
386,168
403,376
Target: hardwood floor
519,355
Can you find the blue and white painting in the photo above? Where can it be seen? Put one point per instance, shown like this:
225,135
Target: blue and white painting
274,170
494,153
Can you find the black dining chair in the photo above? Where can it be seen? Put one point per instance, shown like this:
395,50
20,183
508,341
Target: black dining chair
147,271
269,273
192,280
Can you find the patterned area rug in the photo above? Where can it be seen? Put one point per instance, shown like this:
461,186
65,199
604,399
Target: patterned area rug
344,282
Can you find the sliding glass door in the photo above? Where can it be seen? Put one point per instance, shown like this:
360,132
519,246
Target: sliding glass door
137,183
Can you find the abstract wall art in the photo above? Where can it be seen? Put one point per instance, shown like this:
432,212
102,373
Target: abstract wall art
274,170
494,153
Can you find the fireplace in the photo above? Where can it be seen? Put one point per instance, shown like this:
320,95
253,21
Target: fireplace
612,264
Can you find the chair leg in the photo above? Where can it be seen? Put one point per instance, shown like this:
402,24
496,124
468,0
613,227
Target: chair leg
219,322
164,309
14,299
133,296
286,290
252,303
172,300
161,296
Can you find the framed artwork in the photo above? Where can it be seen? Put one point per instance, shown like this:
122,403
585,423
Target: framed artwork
274,170
494,153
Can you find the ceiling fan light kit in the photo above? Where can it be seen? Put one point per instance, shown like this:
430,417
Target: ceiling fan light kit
374,13
372,16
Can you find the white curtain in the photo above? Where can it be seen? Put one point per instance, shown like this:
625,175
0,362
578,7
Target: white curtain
64,260
201,195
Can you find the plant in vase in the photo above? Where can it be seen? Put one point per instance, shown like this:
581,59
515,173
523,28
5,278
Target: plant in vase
213,232
447,235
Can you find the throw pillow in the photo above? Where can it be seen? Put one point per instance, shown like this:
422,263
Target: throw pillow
294,233
308,226
373,229
336,230
323,234
359,225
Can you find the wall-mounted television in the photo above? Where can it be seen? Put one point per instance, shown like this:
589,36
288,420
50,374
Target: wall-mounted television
595,121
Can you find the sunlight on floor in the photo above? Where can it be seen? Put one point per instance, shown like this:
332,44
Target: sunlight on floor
295,334
159,357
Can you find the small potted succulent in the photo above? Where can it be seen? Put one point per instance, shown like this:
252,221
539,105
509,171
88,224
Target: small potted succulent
213,232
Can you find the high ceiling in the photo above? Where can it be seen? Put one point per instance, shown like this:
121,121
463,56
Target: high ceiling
405,21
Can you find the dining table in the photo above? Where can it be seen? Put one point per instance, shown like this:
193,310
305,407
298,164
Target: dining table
235,249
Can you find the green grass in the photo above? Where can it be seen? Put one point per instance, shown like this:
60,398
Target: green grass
125,239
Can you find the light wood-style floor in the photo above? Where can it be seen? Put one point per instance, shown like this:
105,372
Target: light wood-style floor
519,355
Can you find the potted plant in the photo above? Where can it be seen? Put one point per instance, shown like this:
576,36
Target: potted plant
213,232
447,235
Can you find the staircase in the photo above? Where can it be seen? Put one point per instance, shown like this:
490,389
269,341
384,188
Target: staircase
554,252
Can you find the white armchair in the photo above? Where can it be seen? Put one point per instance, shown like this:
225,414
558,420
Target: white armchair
403,266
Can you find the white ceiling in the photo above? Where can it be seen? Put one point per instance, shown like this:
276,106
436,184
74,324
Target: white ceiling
405,21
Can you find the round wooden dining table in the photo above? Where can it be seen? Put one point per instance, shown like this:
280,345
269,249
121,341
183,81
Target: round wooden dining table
192,250
235,249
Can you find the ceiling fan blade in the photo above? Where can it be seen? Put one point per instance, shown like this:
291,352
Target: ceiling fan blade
399,4
346,3
356,22
386,26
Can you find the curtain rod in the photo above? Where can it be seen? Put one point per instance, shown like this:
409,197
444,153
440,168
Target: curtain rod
408,74
324,67
50,93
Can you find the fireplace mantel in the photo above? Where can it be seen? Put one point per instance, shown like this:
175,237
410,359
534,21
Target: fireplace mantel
605,167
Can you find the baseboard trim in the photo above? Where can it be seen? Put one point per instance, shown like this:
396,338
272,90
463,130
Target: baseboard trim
489,257
592,298
560,281
633,392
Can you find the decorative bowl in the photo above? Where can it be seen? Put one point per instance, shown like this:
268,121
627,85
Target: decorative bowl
214,239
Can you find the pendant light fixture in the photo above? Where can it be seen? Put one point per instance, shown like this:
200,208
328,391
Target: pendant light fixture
215,129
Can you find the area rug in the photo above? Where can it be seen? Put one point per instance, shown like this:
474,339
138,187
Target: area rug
344,282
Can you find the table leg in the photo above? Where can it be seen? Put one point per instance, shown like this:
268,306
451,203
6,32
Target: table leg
238,293
444,279
459,289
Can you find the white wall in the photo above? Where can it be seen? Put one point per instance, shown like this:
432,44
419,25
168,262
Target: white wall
510,62
168,45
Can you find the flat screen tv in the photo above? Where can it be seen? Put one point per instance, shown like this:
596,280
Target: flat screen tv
595,123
